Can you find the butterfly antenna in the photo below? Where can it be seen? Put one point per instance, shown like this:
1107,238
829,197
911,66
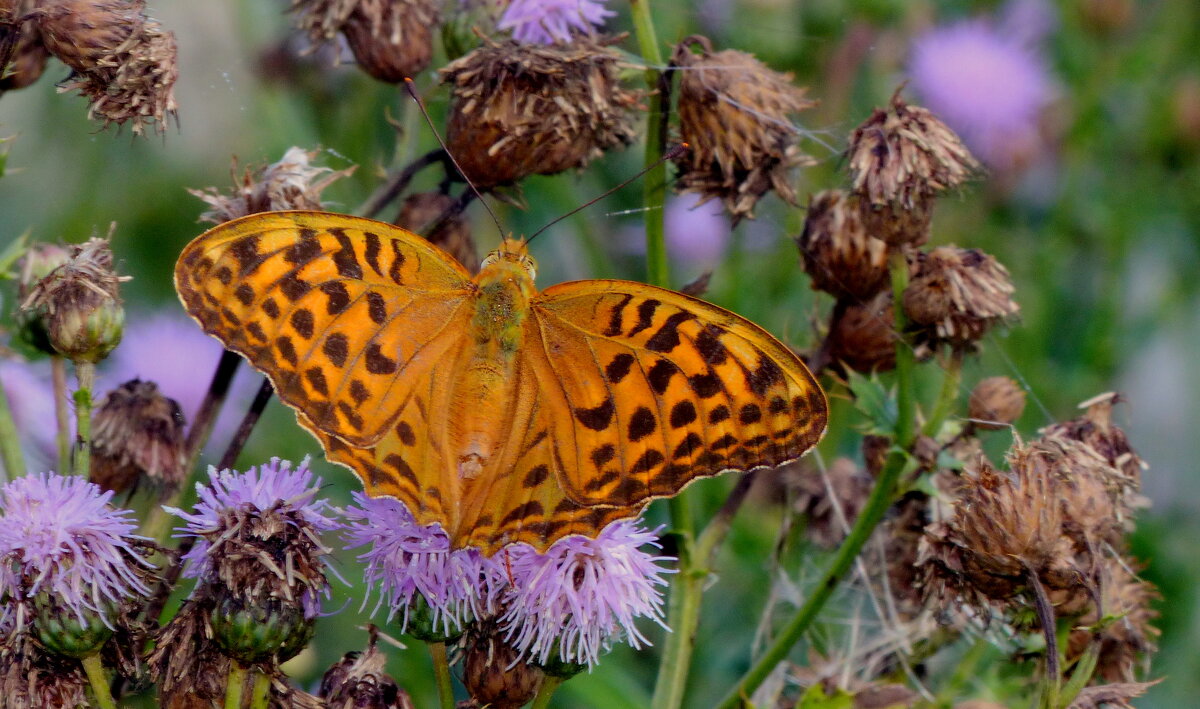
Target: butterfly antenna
669,155
411,87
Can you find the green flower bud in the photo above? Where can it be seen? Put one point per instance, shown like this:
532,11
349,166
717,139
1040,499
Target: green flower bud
62,632
252,633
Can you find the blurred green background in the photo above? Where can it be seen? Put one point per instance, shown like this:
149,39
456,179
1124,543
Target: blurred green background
1100,233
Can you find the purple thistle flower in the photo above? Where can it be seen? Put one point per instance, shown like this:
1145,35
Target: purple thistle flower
550,21
273,485
59,536
411,562
583,594
989,86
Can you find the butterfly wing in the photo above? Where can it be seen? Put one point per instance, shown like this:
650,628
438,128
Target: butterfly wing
649,389
344,315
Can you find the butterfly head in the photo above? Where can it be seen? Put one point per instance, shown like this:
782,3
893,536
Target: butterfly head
512,252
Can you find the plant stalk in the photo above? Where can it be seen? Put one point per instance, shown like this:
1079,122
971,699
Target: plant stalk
441,675
94,670
906,416
549,685
62,417
951,381
85,374
654,184
234,686
260,691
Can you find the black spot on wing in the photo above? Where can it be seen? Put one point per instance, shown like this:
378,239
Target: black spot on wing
615,318
642,424
598,417
618,368
344,258
666,338
660,375
645,315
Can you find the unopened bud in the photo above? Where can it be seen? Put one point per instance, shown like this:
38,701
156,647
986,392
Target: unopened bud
996,402
496,677
257,632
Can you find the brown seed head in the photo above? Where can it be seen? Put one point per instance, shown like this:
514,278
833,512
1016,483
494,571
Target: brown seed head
830,499
900,159
526,109
358,681
80,304
420,213
391,39
291,183
862,338
185,663
138,435
957,295
838,254
123,61
1096,428
1126,635
996,402
736,115
494,675
22,42
31,678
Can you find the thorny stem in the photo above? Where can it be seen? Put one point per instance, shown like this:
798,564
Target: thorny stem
951,380
85,373
1052,682
94,669
62,417
441,674
898,464
654,185
10,442
234,686
549,685
398,182
260,692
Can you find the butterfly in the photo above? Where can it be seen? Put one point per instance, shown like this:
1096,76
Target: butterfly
501,413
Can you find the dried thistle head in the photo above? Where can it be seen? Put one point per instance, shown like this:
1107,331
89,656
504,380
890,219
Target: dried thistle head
138,435
22,54
996,402
862,337
830,499
359,681
422,210
525,109
30,678
1128,638
122,60
495,674
736,116
902,534
391,39
1096,428
838,253
291,183
900,159
956,295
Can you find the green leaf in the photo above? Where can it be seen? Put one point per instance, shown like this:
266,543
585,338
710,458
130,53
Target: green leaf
11,253
815,698
875,402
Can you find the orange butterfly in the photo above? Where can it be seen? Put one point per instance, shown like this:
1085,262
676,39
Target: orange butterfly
501,413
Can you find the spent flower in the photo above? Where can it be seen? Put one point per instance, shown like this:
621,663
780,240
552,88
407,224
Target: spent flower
359,681
137,436
291,183
550,21
838,253
391,39
569,604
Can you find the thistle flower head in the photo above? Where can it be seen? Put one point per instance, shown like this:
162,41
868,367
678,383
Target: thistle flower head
996,402
736,116
29,55
494,673
838,253
957,295
291,183
830,499
550,21
415,569
1096,428
862,336
60,537
137,433
569,604
390,39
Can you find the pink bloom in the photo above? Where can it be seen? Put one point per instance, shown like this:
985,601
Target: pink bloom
550,21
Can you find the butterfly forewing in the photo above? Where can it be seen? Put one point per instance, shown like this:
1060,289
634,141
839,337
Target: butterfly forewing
662,388
344,316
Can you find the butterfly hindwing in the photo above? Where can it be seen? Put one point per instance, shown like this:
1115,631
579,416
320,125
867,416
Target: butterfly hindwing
662,389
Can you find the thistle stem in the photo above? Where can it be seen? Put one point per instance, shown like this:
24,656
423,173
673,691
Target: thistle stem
549,685
654,184
951,380
898,464
260,692
441,675
85,374
234,686
1052,682
94,670
10,442
62,417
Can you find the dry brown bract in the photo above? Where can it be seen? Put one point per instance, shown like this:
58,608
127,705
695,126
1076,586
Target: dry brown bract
524,109
1096,428
862,337
900,159
391,39
957,295
358,680
996,402
291,183
736,115
493,672
138,436
838,254
31,678
22,53
122,60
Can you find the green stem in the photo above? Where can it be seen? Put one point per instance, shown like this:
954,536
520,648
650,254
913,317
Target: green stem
62,417
234,686
85,373
654,184
898,464
441,674
948,396
10,442
549,686
260,692
94,670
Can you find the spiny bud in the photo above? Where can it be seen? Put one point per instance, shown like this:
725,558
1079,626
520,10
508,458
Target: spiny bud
358,681
957,295
392,40
80,302
996,402
137,434
838,254
420,213
123,61
736,116
900,158
525,109
495,675
291,183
